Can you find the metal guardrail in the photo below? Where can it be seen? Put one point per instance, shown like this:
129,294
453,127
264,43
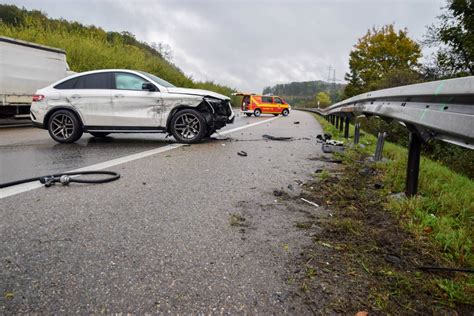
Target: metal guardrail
441,110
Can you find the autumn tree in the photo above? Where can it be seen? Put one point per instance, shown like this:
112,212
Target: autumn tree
322,99
381,53
454,38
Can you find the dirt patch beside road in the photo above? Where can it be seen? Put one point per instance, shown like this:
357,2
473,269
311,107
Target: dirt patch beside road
361,258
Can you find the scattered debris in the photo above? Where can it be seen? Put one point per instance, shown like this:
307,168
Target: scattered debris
366,171
326,159
242,153
327,148
278,193
378,185
290,187
309,202
323,138
9,296
335,142
270,137
318,170
325,244
296,122
237,220
392,258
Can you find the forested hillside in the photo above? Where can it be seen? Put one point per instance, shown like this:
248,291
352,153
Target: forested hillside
303,93
90,47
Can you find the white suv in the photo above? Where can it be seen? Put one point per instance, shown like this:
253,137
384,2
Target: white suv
126,101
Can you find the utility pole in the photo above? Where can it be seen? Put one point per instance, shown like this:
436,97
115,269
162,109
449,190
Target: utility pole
333,85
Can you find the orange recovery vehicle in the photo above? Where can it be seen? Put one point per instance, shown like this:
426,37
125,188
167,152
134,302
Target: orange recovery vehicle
263,104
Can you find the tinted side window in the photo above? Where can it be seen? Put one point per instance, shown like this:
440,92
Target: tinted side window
266,99
125,81
93,81
277,100
69,84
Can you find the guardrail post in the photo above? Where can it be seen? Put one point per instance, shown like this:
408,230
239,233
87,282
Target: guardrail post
356,133
346,130
413,165
379,147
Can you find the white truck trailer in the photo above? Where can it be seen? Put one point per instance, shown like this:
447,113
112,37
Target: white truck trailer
24,68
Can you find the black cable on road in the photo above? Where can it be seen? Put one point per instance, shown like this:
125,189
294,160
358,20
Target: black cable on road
65,178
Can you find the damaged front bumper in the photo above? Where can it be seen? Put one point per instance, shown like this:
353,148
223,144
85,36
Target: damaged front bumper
221,112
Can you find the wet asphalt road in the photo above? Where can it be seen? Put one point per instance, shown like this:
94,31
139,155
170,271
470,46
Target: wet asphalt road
160,239
29,152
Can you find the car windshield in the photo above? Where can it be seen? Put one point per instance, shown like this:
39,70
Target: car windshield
158,80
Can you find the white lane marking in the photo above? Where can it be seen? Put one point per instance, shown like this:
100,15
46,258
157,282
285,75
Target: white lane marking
5,192
247,126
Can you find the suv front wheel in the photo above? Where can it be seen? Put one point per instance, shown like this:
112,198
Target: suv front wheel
188,126
64,127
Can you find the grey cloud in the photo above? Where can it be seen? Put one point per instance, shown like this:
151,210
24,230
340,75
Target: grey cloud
250,44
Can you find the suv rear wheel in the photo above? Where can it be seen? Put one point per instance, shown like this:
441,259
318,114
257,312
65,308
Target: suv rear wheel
188,126
64,127
257,112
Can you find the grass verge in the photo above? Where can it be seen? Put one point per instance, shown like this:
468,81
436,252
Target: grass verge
439,220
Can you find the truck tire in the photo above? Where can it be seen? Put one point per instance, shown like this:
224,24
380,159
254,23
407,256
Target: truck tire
285,112
99,134
64,127
188,126
257,112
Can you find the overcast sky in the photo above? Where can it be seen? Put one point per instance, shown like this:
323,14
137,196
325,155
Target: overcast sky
250,44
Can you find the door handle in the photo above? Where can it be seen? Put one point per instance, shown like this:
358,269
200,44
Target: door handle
75,96
118,95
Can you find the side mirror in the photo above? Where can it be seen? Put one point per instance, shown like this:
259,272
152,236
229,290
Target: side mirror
148,86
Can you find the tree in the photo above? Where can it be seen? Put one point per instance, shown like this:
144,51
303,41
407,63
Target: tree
164,50
454,37
399,77
378,53
323,99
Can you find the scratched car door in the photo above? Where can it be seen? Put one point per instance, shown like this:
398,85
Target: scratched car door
133,106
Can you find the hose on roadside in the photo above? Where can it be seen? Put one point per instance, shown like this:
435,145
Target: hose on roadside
66,177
